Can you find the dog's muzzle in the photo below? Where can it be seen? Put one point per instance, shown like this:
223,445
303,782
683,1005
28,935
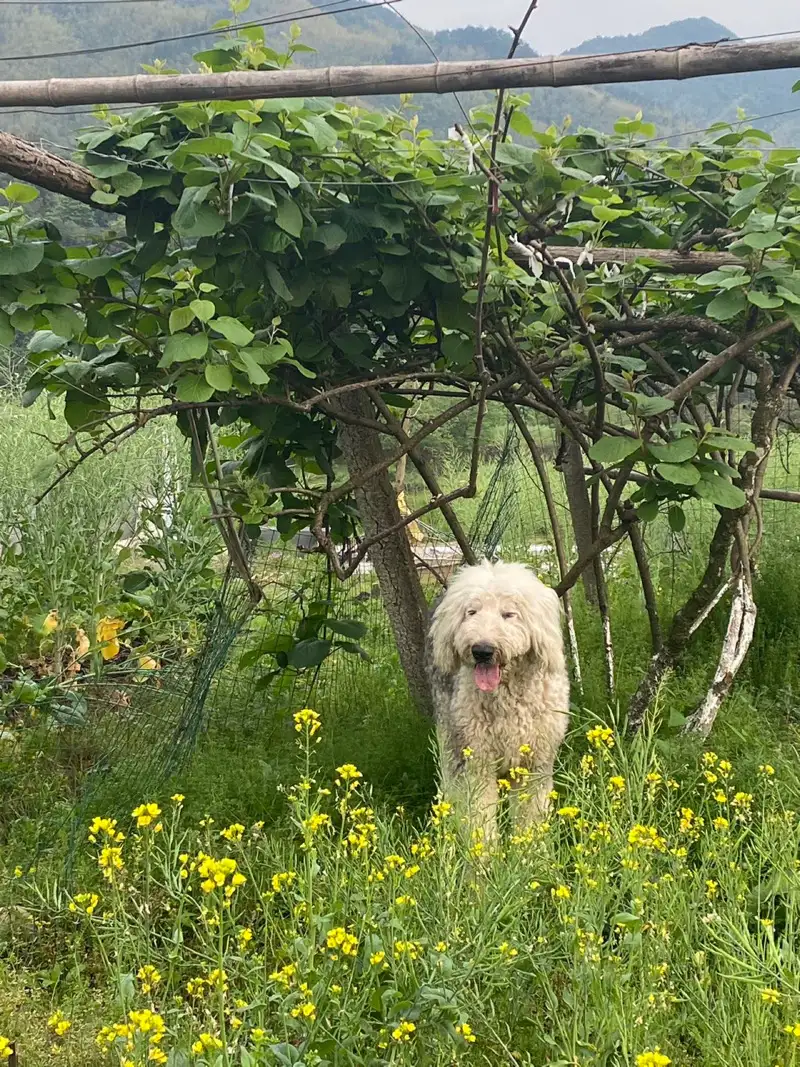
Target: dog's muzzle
487,669
483,652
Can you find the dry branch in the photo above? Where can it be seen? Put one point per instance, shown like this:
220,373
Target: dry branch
28,163
664,64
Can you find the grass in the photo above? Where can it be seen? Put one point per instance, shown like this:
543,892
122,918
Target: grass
626,933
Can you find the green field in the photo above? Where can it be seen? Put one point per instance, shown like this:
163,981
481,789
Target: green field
288,902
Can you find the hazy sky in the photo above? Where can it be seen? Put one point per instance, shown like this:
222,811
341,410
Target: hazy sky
560,24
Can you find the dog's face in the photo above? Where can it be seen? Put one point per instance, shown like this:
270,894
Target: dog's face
492,632
491,616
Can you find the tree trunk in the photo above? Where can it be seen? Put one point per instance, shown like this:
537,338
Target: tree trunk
391,557
580,511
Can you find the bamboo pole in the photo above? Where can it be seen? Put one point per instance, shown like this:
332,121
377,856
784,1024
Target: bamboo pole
661,64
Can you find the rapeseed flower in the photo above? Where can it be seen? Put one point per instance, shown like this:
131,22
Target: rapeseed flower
654,1058
404,1031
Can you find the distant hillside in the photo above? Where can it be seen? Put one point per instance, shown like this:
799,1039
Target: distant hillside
702,101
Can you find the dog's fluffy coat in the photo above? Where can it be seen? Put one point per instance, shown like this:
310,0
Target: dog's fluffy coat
515,719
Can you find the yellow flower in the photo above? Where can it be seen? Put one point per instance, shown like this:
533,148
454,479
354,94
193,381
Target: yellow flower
616,785
234,832
770,996
148,977
588,764
218,874
316,822
412,949
793,1030
600,737
284,976
742,801
206,1043
109,861
283,880
441,946
561,892
157,1055
654,1058
525,750
405,901
245,936
86,902
441,811
6,1048
50,622
720,823
59,1024
338,940
146,814
569,812
107,634
710,759
712,888
404,1031
508,951
767,769
377,958
725,768
394,862
720,797
307,1009
646,837
348,772
308,720
464,1030
467,753
100,827
177,798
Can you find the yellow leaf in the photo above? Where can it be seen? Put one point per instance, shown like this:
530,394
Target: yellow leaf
51,622
147,663
107,631
110,649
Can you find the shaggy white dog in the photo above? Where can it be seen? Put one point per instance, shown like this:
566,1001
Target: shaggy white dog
500,690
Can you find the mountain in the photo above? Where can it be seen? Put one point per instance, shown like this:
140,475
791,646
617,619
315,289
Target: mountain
367,34
701,101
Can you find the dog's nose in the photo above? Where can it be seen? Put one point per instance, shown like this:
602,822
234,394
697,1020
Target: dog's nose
483,652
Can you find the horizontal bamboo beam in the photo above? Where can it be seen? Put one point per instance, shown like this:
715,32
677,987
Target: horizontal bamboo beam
661,64
666,258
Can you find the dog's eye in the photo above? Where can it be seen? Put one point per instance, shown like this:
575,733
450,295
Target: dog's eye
471,611
509,614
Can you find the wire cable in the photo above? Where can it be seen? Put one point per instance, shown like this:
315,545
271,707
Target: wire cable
302,14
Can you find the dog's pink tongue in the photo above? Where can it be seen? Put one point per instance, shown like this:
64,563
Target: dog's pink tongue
487,677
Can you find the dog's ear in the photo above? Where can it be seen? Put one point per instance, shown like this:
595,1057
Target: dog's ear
442,634
543,619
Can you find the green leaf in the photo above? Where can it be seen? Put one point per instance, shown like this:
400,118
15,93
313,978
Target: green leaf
233,330
127,184
648,510
138,141
192,389
65,322
609,214
673,451
761,241
679,473
289,217
17,193
611,450
653,405
256,374
288,176
677,518
219,377
193,217
351,628
20,259
764,300
100,196
94,266
720,491
183,347
7,331
309,653
203,309
725,442
330,235
180,318
277,284
220,144
727,305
